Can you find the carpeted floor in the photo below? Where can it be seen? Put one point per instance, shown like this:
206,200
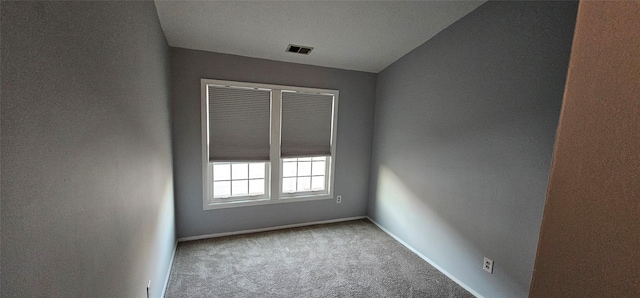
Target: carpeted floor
348,259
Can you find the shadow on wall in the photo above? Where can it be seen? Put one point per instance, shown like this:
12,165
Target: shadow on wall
464,132
446,239
460,193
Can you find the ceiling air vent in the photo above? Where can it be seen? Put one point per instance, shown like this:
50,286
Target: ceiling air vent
298,49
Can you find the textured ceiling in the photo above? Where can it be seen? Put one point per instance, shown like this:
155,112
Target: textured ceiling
357,35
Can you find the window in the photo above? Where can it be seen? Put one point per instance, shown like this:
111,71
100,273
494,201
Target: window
304,175
239,179
264,144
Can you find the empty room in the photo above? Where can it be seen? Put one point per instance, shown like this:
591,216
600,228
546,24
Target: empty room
320,149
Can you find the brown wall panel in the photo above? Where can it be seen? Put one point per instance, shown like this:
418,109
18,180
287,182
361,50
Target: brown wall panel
590,237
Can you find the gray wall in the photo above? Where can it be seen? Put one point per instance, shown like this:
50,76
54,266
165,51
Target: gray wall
463,139
87,192
355,125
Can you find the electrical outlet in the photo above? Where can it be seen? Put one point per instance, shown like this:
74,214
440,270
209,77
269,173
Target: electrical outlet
488,265
339,199
149,289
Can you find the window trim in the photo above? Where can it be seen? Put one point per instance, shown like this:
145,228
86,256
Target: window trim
273,195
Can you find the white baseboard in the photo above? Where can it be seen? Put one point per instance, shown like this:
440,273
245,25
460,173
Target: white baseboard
166,280
216,235
474,293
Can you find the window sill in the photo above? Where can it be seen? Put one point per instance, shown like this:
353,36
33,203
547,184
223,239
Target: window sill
257,202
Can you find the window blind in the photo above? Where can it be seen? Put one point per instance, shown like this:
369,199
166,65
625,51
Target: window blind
239,124
306,124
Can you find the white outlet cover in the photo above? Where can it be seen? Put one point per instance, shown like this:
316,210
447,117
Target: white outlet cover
487,265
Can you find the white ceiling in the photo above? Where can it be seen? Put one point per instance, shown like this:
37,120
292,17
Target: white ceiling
356,35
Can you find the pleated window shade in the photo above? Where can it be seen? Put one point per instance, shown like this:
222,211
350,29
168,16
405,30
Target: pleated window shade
306,124
239,124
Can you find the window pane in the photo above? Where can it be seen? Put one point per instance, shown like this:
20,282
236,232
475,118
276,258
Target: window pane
304,168
221,172
289,169
288,185
322,158
304,184
317,183
239,171
304,159
256,170
222,189
240,187
256,187
318,168
289,159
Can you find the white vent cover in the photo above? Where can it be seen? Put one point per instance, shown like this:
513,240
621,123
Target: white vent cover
292,48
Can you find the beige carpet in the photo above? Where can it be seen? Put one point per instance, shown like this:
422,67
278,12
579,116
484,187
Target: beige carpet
348,259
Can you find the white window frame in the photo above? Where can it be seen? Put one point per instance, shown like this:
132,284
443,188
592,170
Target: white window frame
310,193
212,199
273,193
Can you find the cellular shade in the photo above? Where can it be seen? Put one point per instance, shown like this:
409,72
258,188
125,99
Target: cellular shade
239,124
306,124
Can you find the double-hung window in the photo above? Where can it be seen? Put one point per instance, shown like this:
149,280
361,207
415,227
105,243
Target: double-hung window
265,144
